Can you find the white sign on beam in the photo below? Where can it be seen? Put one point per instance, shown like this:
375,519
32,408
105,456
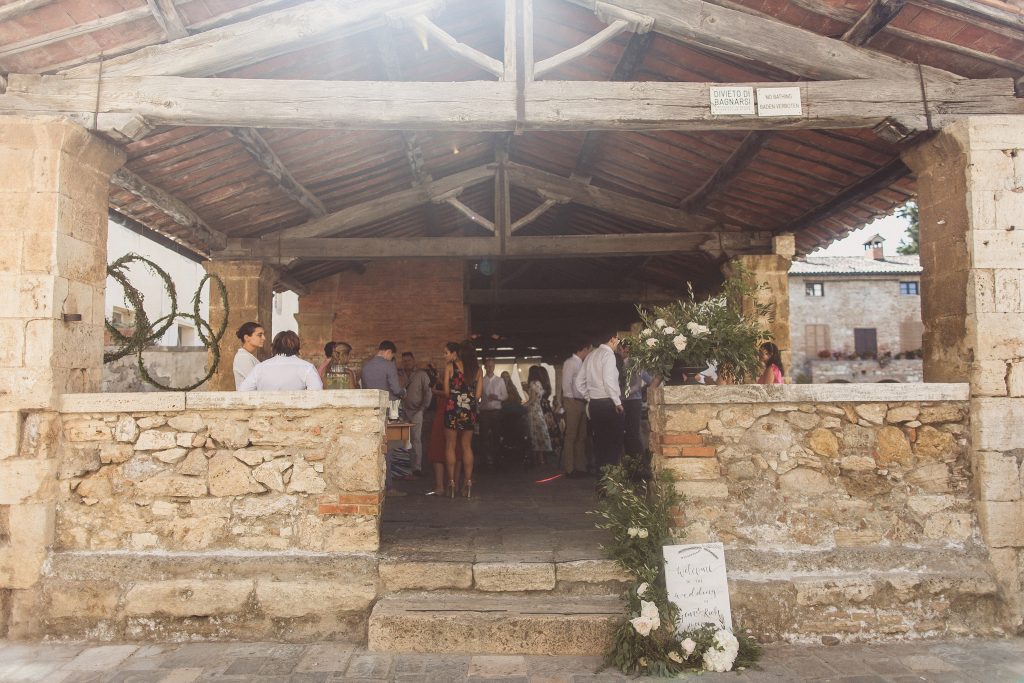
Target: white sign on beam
779,102
696,581
735,100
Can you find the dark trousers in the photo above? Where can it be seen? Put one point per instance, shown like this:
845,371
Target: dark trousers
634,444
490,425
608,427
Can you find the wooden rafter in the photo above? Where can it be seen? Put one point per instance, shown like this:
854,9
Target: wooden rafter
876,17
288,282
731,32
275,249
261,152
170,20
15,9
382,208
250,41
487,105
175,209
732,167
59,36
529,297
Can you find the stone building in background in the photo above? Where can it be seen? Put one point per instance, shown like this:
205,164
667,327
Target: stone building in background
856,318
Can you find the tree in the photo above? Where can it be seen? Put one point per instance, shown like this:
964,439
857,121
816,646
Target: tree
911,243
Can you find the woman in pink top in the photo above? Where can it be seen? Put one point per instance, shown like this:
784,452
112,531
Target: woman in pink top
772,360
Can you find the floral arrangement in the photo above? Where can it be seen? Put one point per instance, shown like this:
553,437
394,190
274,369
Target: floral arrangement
719,329
636,509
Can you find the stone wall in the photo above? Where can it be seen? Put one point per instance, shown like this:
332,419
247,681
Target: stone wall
849,511
176,366
212,515
856,371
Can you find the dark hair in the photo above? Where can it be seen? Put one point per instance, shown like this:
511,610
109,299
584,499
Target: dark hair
387,346
453,347
408,353
286,343
539,374
581,344
607,336
329,348
247,330
774,355
470,365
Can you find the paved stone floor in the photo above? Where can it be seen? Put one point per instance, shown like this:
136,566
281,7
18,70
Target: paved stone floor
974,661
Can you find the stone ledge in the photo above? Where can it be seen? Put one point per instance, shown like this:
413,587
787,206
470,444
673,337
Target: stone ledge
814,393
220,400
169,401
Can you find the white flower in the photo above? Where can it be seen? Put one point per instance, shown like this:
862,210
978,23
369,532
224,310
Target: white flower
646,332
643,625
642,533
652,342
688,646
721,656
696,329
642,662
650,611
632,531
674,656
669,331
660,323
679,342
641,589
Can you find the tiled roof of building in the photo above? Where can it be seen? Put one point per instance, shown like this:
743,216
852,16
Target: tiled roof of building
856,265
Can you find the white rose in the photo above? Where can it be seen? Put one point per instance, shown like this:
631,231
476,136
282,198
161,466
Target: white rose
642,588
650,610
669,331
642,625
660,323
646,332
642,662
632,531
688,646
696,329
723,654
679,342
652,342
642,533
674,656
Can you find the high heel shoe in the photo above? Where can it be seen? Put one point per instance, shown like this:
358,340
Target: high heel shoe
451,488
467,489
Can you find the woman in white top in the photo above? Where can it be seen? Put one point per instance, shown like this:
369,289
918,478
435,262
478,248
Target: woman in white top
285,371
252,337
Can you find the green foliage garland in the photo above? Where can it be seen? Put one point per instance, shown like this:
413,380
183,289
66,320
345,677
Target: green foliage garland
146,333
636,508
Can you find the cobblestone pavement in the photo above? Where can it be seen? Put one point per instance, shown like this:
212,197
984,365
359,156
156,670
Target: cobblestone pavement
981,661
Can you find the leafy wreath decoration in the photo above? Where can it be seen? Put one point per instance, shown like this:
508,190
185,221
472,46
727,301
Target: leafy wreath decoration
146,332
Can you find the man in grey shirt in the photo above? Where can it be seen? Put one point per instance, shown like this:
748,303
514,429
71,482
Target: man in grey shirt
380,373
417,398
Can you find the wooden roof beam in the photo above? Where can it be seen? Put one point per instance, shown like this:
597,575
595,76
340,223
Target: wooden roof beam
74,31
260,151
175,209
276,250
735,33
286,282
15,9
876,17
732,167
529,297
170,20
249,41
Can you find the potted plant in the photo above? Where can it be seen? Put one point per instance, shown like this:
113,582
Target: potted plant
693,334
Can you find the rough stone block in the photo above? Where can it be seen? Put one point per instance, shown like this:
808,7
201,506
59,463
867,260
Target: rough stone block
902,414
81,599
690,469
399,575
949,526
1002,523
27,480
301,598
168,485
872,412
892,447
823,442
187,598
514,576
805,482
933,477
703,489
31,533
87,430
997,476
229,477
155,440
995,423
691,420
591,571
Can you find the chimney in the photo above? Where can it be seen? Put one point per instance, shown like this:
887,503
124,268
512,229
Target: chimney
874,248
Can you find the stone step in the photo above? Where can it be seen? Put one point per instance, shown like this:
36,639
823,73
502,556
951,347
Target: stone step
477,623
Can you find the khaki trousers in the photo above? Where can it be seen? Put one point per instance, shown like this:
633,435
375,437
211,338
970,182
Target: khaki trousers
574,449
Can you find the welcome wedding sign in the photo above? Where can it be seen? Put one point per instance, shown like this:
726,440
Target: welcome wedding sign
697,585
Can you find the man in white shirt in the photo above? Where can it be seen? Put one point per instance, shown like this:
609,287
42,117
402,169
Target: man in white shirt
253,338
285,371
574,456
494,394
598,382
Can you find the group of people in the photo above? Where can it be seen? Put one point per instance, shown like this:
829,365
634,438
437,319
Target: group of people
601,398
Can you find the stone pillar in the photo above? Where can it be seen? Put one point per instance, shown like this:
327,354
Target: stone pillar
971,198
771,272
54,178
250,286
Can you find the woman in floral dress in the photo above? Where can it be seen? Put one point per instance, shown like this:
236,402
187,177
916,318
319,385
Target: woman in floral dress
539,390
460,413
